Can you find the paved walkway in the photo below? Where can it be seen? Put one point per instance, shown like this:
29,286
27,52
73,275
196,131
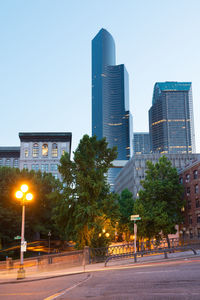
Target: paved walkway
33,273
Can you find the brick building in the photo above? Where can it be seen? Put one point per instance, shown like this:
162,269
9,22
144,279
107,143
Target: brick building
190,178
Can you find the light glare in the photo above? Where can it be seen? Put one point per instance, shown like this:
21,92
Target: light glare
24,188
29,196
19,194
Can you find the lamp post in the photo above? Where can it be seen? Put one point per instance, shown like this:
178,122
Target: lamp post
24,196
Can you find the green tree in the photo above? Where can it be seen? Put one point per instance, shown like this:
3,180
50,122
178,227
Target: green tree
160,201
38,212
87,200
126,204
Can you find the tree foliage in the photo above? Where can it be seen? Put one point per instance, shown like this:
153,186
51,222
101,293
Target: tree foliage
126,204
38,212
160,201
86,204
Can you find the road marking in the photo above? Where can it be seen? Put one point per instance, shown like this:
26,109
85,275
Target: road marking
52,297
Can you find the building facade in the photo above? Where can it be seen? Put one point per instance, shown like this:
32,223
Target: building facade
171,122
135,169
42,151
9,157
141,143
38,151
111,117
190,178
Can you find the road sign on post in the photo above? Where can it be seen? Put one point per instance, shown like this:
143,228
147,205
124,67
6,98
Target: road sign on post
17,237
23,246
135,218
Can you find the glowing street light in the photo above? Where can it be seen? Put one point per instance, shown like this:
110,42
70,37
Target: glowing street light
24,197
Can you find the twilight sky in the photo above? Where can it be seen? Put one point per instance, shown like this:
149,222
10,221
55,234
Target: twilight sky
45,59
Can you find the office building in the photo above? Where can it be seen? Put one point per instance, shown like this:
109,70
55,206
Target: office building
135,169
141,143
111,117
171,122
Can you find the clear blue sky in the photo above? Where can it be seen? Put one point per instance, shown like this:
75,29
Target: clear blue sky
45,59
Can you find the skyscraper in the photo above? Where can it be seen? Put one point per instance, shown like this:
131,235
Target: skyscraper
141,143
171,123
111,117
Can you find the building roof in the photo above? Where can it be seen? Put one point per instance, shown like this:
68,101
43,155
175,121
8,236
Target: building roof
174,86
9,151
46,136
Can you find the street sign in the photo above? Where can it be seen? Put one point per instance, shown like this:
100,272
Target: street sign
23,246
135,218
17,237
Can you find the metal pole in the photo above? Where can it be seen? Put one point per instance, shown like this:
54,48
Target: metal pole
21,271
135,233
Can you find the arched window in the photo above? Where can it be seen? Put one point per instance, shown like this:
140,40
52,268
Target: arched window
54,151
44,150
35,150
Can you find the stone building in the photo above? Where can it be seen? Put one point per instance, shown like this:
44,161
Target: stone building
9,156
190,178
38,151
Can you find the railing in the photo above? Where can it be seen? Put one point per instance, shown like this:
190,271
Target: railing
147,252
101,254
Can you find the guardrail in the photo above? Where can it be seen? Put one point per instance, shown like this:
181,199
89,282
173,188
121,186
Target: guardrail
146,252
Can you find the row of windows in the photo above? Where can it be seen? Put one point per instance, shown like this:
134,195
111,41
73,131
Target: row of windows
195,176
190,203
190,219
43,167
45,150
196,190
8,163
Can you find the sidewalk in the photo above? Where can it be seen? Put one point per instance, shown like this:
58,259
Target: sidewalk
33,273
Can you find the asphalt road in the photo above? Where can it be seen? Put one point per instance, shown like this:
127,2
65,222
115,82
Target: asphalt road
164,280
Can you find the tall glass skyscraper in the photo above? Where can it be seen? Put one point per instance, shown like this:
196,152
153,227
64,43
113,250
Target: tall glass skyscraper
171,122
141,143
111,117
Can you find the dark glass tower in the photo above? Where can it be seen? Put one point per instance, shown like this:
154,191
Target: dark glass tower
110,98
141,143
171,122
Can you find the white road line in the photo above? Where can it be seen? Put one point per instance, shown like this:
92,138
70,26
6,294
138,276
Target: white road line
68,289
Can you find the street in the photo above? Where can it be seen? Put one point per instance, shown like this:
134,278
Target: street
163,280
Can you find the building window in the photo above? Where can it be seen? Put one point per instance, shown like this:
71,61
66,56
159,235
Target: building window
198,218
191,234
44,150
189,204
25,166
1,162
33,167
63,152
55,176
35,150
190,219
7,162
187,177
36,168
196,189
197,203
54,167
44,167
16,163
26,152
195,174
54,152
188,191
181,180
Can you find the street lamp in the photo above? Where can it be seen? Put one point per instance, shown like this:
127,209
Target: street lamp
24,196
